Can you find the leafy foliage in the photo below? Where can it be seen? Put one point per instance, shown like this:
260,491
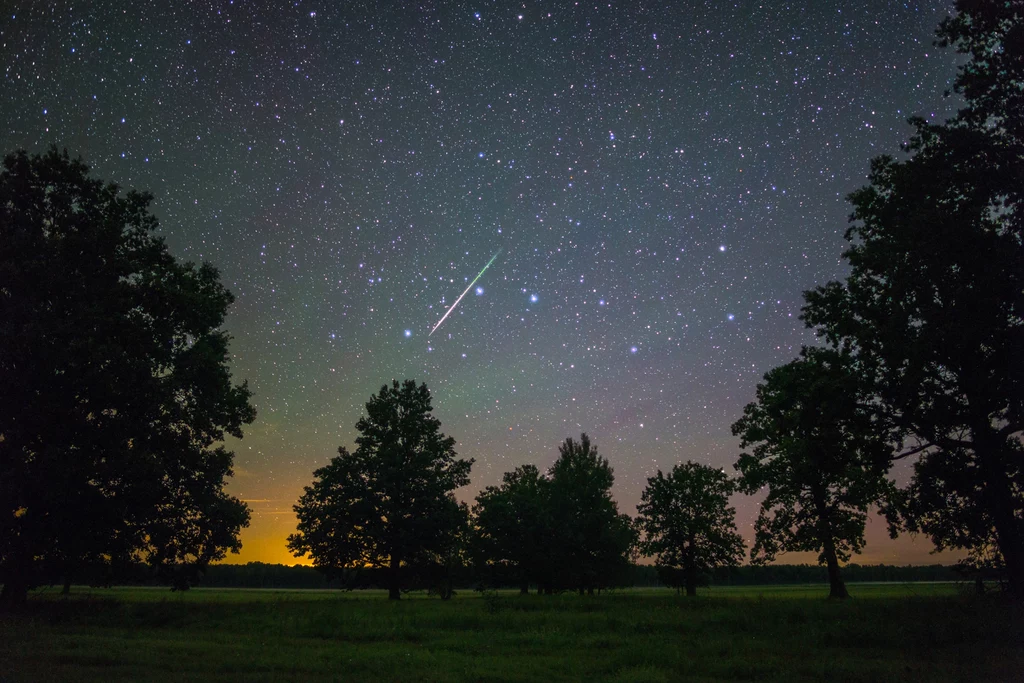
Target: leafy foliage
688,524
822,455
390,502
116,383
933,308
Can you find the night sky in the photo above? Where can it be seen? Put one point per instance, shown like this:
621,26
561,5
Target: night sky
662,181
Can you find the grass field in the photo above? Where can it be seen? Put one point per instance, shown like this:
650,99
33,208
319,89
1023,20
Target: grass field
887,632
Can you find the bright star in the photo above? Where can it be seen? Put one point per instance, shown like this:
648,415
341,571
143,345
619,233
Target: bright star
633,349
408,333
479,291
533,298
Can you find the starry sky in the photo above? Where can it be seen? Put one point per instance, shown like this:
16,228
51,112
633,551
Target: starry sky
657,184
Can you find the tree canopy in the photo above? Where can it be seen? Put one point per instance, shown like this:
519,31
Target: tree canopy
116,386
688,524
821,453
933,308
390,502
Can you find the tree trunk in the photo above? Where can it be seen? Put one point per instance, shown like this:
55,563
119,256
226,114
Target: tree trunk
67,586
690,579
690,568
524,588
394,578
837,587
1001,506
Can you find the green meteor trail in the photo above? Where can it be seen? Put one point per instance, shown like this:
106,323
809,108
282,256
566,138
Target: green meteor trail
452,307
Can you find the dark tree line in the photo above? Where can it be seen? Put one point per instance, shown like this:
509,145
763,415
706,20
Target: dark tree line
388,510
116,394
389,507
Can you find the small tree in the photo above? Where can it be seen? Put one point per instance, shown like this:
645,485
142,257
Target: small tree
513,524
391,501
688,523
822,455
591,543
115,384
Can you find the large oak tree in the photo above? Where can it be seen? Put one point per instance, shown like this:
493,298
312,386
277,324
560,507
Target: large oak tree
933,308
115,384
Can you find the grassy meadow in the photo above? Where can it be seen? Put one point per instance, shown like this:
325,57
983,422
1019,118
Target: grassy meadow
886,632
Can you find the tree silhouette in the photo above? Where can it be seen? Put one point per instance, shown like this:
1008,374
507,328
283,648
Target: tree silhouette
514,525
821,453
592,542
934,303
115,384
688,524
390,502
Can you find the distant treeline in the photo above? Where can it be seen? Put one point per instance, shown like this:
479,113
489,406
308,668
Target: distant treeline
260,575
263,575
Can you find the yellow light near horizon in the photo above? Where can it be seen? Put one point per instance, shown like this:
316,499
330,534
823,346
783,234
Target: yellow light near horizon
265,540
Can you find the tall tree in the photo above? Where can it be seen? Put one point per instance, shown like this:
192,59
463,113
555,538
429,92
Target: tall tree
514,525
688,524
115,381
822,454
590,540
934,304
391,501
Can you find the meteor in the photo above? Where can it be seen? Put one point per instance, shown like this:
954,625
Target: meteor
452,307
